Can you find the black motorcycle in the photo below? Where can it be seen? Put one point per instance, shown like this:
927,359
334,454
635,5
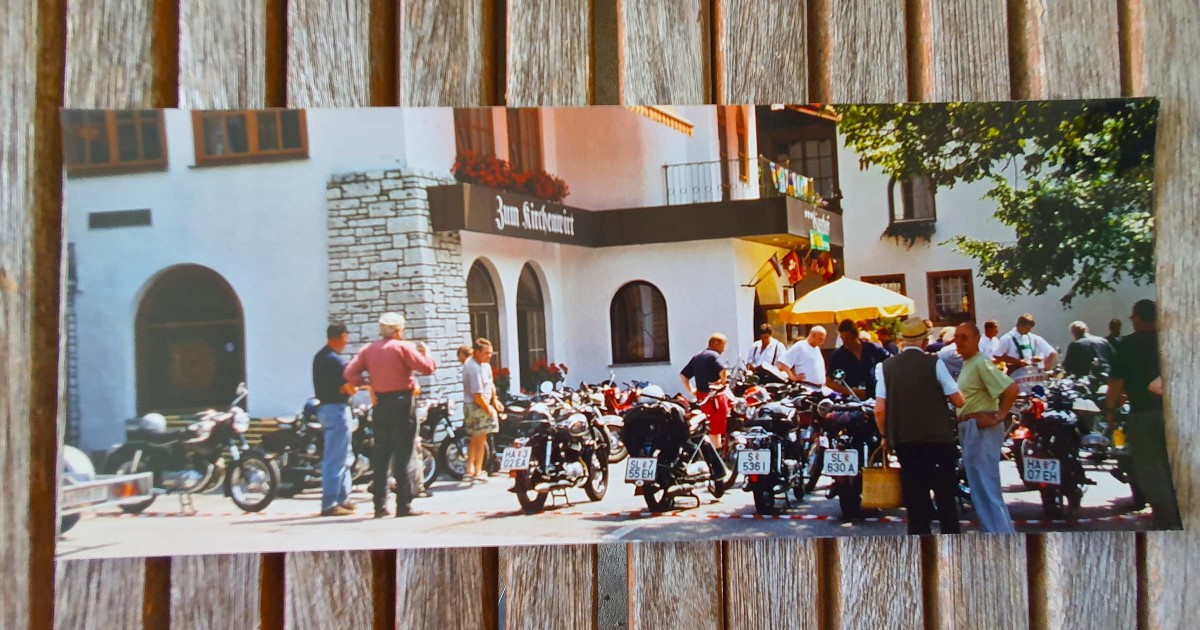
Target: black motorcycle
849,427
1050,453
771,457
670,454
185,461
297,446
566,447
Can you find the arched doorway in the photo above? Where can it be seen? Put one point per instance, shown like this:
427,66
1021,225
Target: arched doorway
531,325
191,351
484,308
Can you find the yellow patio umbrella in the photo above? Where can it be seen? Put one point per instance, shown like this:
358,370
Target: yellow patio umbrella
847,298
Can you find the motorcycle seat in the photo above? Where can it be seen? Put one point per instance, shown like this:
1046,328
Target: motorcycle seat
286,420
157,437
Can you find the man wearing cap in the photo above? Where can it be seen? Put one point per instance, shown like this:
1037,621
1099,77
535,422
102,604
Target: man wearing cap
392,364
1020,347
988,395
1136,366
912,415
767,351
803,362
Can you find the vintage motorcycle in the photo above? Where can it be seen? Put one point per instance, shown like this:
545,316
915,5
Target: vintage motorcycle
852,436
670,454
297,446
185,461
566,447
771,457
1050,453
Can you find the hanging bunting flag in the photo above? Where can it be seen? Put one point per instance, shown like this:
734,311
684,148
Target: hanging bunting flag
795,270
776,265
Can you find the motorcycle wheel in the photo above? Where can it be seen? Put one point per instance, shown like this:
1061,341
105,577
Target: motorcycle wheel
215,479
121,463
67,522
252,483
816,463
1053,503
531,501
798,492
618,452
764,502
430,465
656,497
453,456
597,483
717,487
850,499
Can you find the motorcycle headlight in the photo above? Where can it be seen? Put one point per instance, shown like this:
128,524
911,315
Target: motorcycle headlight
241,421
422,413
824,408
577,425
740,407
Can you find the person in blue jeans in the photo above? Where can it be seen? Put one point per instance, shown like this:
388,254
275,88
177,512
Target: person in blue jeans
336,420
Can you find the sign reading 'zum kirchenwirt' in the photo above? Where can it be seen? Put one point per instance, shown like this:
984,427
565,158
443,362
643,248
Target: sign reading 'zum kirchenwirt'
489,211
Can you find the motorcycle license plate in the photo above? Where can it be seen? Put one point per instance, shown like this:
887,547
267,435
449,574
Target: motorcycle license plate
515,458
754,462
1043,470
841,463
641,469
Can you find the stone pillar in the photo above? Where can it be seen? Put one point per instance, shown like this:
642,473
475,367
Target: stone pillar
384,256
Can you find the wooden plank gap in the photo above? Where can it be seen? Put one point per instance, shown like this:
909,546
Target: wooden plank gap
491,587
828,579
606,64
383,588
1024,50
164,52
929,582
1143,584
820,72
156,607
1131,21
275,61
270,592
45,420
919,36
716,36
496,29
384,57
1035,555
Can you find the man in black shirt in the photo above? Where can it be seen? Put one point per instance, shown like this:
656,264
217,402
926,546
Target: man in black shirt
1135,367
334,413
707,368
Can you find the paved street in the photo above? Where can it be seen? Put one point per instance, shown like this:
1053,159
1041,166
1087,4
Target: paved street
461,515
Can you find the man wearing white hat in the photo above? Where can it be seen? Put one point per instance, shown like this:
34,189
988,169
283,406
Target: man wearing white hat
393,365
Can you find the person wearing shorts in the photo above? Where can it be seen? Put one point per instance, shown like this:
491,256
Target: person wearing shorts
707,369
481,407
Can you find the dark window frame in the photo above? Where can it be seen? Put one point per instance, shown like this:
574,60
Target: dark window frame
907,193
473,124
487,309
253,153
888,278
931,278
525,151
114,165
619,340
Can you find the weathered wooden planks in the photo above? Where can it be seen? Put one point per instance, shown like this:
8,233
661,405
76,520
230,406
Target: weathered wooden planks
447,53
877,582
328,53
675,585
867,54
772,583
222,53
969,51
549,587
761,52
1172,559
664,51
215,591
548,53
328,589
99,593
446,588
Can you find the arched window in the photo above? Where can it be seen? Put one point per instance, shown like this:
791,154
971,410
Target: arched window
190,342
638,316
484,308
917,201
531,325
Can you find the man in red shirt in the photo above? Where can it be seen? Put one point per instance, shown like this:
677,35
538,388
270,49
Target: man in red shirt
392,364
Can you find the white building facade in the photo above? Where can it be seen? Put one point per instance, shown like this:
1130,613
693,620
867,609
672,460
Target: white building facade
212,248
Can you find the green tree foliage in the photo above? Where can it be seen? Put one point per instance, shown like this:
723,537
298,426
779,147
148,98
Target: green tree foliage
1072,179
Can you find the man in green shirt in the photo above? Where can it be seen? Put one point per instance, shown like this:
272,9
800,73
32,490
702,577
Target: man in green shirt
988,395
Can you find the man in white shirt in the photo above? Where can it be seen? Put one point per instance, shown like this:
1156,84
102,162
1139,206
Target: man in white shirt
991,336
767,350
1019,347
803,362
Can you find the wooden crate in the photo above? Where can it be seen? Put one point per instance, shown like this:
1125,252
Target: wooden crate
310,53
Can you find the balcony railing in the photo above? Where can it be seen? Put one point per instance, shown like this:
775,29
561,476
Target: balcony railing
727,180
